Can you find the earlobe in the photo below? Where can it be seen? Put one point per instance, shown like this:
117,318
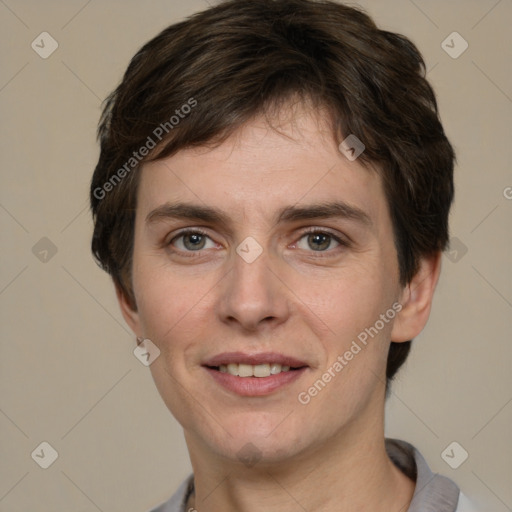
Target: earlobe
417,299
128,311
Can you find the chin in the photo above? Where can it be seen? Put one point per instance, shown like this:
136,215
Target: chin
255,440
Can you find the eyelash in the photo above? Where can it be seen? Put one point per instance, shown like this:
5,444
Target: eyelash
197,231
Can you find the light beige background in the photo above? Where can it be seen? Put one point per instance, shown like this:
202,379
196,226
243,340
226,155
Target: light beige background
68,374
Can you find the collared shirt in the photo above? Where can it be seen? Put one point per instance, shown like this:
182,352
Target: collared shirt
433,492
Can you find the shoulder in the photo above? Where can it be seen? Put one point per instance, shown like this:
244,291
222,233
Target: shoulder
433,491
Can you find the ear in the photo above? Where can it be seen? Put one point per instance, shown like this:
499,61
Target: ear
129,313
416,300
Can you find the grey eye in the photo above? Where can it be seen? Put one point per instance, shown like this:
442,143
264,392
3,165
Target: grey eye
317,241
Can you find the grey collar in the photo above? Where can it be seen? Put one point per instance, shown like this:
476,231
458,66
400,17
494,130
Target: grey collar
433,492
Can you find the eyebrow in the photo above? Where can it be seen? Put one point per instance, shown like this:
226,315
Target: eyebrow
333,209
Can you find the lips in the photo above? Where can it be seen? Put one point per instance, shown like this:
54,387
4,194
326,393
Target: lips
241,358
254,374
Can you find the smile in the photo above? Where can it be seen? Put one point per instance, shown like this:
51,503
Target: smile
250,370
256,374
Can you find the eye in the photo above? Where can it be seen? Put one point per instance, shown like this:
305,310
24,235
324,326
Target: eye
190,241
316,240
319,241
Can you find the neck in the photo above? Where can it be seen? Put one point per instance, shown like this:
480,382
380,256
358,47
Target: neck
350,472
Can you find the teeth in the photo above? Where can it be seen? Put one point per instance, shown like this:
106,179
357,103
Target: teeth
233,369
261,370
249,370
275,368
245,370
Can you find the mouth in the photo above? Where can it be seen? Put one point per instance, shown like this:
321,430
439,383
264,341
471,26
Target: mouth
256,374
260,371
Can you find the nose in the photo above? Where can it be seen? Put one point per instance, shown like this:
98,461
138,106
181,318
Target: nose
253,296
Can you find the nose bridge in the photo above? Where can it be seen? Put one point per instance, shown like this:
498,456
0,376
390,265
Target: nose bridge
252,291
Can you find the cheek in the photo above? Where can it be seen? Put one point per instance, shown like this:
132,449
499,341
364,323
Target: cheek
164,296
351,300
355,345
171,307
357,338
172,312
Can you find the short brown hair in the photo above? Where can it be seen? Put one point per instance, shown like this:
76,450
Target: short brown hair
241,58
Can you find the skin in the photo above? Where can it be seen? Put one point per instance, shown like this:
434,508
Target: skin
311,304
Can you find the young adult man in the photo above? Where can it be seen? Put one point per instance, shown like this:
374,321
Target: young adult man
272,200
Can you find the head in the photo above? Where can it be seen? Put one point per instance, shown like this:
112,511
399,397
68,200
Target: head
242,109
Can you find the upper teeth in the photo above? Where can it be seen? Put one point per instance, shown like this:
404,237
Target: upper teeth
249,370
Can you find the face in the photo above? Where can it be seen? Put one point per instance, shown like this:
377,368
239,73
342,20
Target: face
270,251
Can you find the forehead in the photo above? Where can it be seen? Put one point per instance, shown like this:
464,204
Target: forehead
262,168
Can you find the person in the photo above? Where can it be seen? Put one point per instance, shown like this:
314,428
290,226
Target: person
271,200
